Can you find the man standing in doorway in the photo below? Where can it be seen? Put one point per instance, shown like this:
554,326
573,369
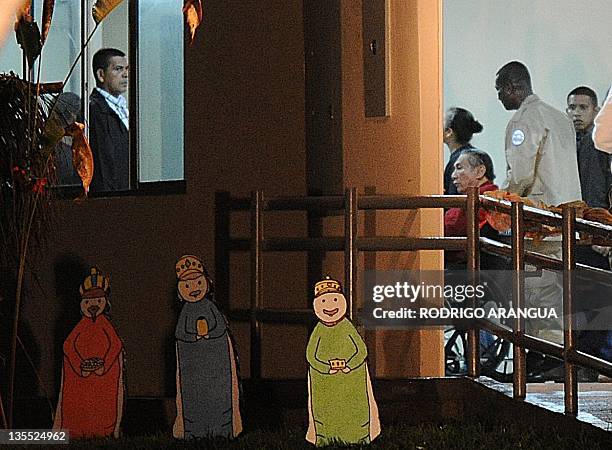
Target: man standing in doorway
595,182
593,165
541,165
109,121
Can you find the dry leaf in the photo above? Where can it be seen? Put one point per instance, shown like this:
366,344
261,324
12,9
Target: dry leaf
47,15
82,158
102,8
25,12
537,231
28,37
498,220
192,9
598,215
501,221
579,205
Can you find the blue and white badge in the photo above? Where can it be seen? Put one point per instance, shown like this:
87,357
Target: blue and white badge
518,137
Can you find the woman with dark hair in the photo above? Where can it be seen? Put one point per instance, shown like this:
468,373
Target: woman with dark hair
459,127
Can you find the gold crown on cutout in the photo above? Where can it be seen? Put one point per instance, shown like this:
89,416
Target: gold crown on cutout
95,281
327,285
188,266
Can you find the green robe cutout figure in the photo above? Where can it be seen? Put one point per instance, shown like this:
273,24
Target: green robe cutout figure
341,404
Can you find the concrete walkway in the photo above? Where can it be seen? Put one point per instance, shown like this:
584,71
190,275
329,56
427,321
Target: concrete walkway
594,401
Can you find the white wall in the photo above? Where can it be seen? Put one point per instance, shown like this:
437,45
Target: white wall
564,43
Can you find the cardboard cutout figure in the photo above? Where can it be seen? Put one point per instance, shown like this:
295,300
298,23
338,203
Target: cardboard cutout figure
207,390
91,397
341,404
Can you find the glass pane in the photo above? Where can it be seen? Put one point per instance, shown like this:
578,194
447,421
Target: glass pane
108,115
160,60
59,53
62,45
10,55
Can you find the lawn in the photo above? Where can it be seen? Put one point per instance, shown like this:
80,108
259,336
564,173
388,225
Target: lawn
423,437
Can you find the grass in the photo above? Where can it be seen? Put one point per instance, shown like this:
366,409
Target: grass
470,436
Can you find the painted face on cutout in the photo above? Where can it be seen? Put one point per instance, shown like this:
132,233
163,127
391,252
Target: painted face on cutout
93,307
193,289
330,307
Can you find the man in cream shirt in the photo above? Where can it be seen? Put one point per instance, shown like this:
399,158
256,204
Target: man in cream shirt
541,165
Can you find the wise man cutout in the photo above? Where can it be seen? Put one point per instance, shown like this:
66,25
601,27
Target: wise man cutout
92,392
341,404
207,390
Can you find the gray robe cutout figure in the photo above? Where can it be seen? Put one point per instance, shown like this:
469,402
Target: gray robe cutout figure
206,377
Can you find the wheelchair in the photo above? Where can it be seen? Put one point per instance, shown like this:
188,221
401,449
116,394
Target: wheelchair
495,352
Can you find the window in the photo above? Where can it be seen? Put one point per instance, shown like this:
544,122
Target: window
148,156
562,50
160,90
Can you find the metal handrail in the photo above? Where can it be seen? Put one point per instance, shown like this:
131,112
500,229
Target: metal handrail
349,206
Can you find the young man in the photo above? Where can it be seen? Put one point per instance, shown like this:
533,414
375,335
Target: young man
595,182
593,165
109,121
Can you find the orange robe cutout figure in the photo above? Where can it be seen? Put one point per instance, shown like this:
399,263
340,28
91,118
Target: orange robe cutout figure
91,396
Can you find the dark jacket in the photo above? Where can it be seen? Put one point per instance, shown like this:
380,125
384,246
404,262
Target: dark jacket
109,140
594,171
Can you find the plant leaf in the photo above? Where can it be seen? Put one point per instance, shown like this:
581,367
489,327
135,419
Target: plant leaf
82,158
63,112
28,37
102,8
54,87
47,14
192,9
53,131
25,12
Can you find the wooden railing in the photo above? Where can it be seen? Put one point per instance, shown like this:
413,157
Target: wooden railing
350,205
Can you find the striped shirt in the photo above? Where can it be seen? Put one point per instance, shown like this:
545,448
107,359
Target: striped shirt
117,104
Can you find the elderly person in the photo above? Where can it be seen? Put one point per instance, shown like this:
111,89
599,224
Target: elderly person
473,168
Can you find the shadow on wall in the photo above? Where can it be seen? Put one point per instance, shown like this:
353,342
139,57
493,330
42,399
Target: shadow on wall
69,272
169,367
28,353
